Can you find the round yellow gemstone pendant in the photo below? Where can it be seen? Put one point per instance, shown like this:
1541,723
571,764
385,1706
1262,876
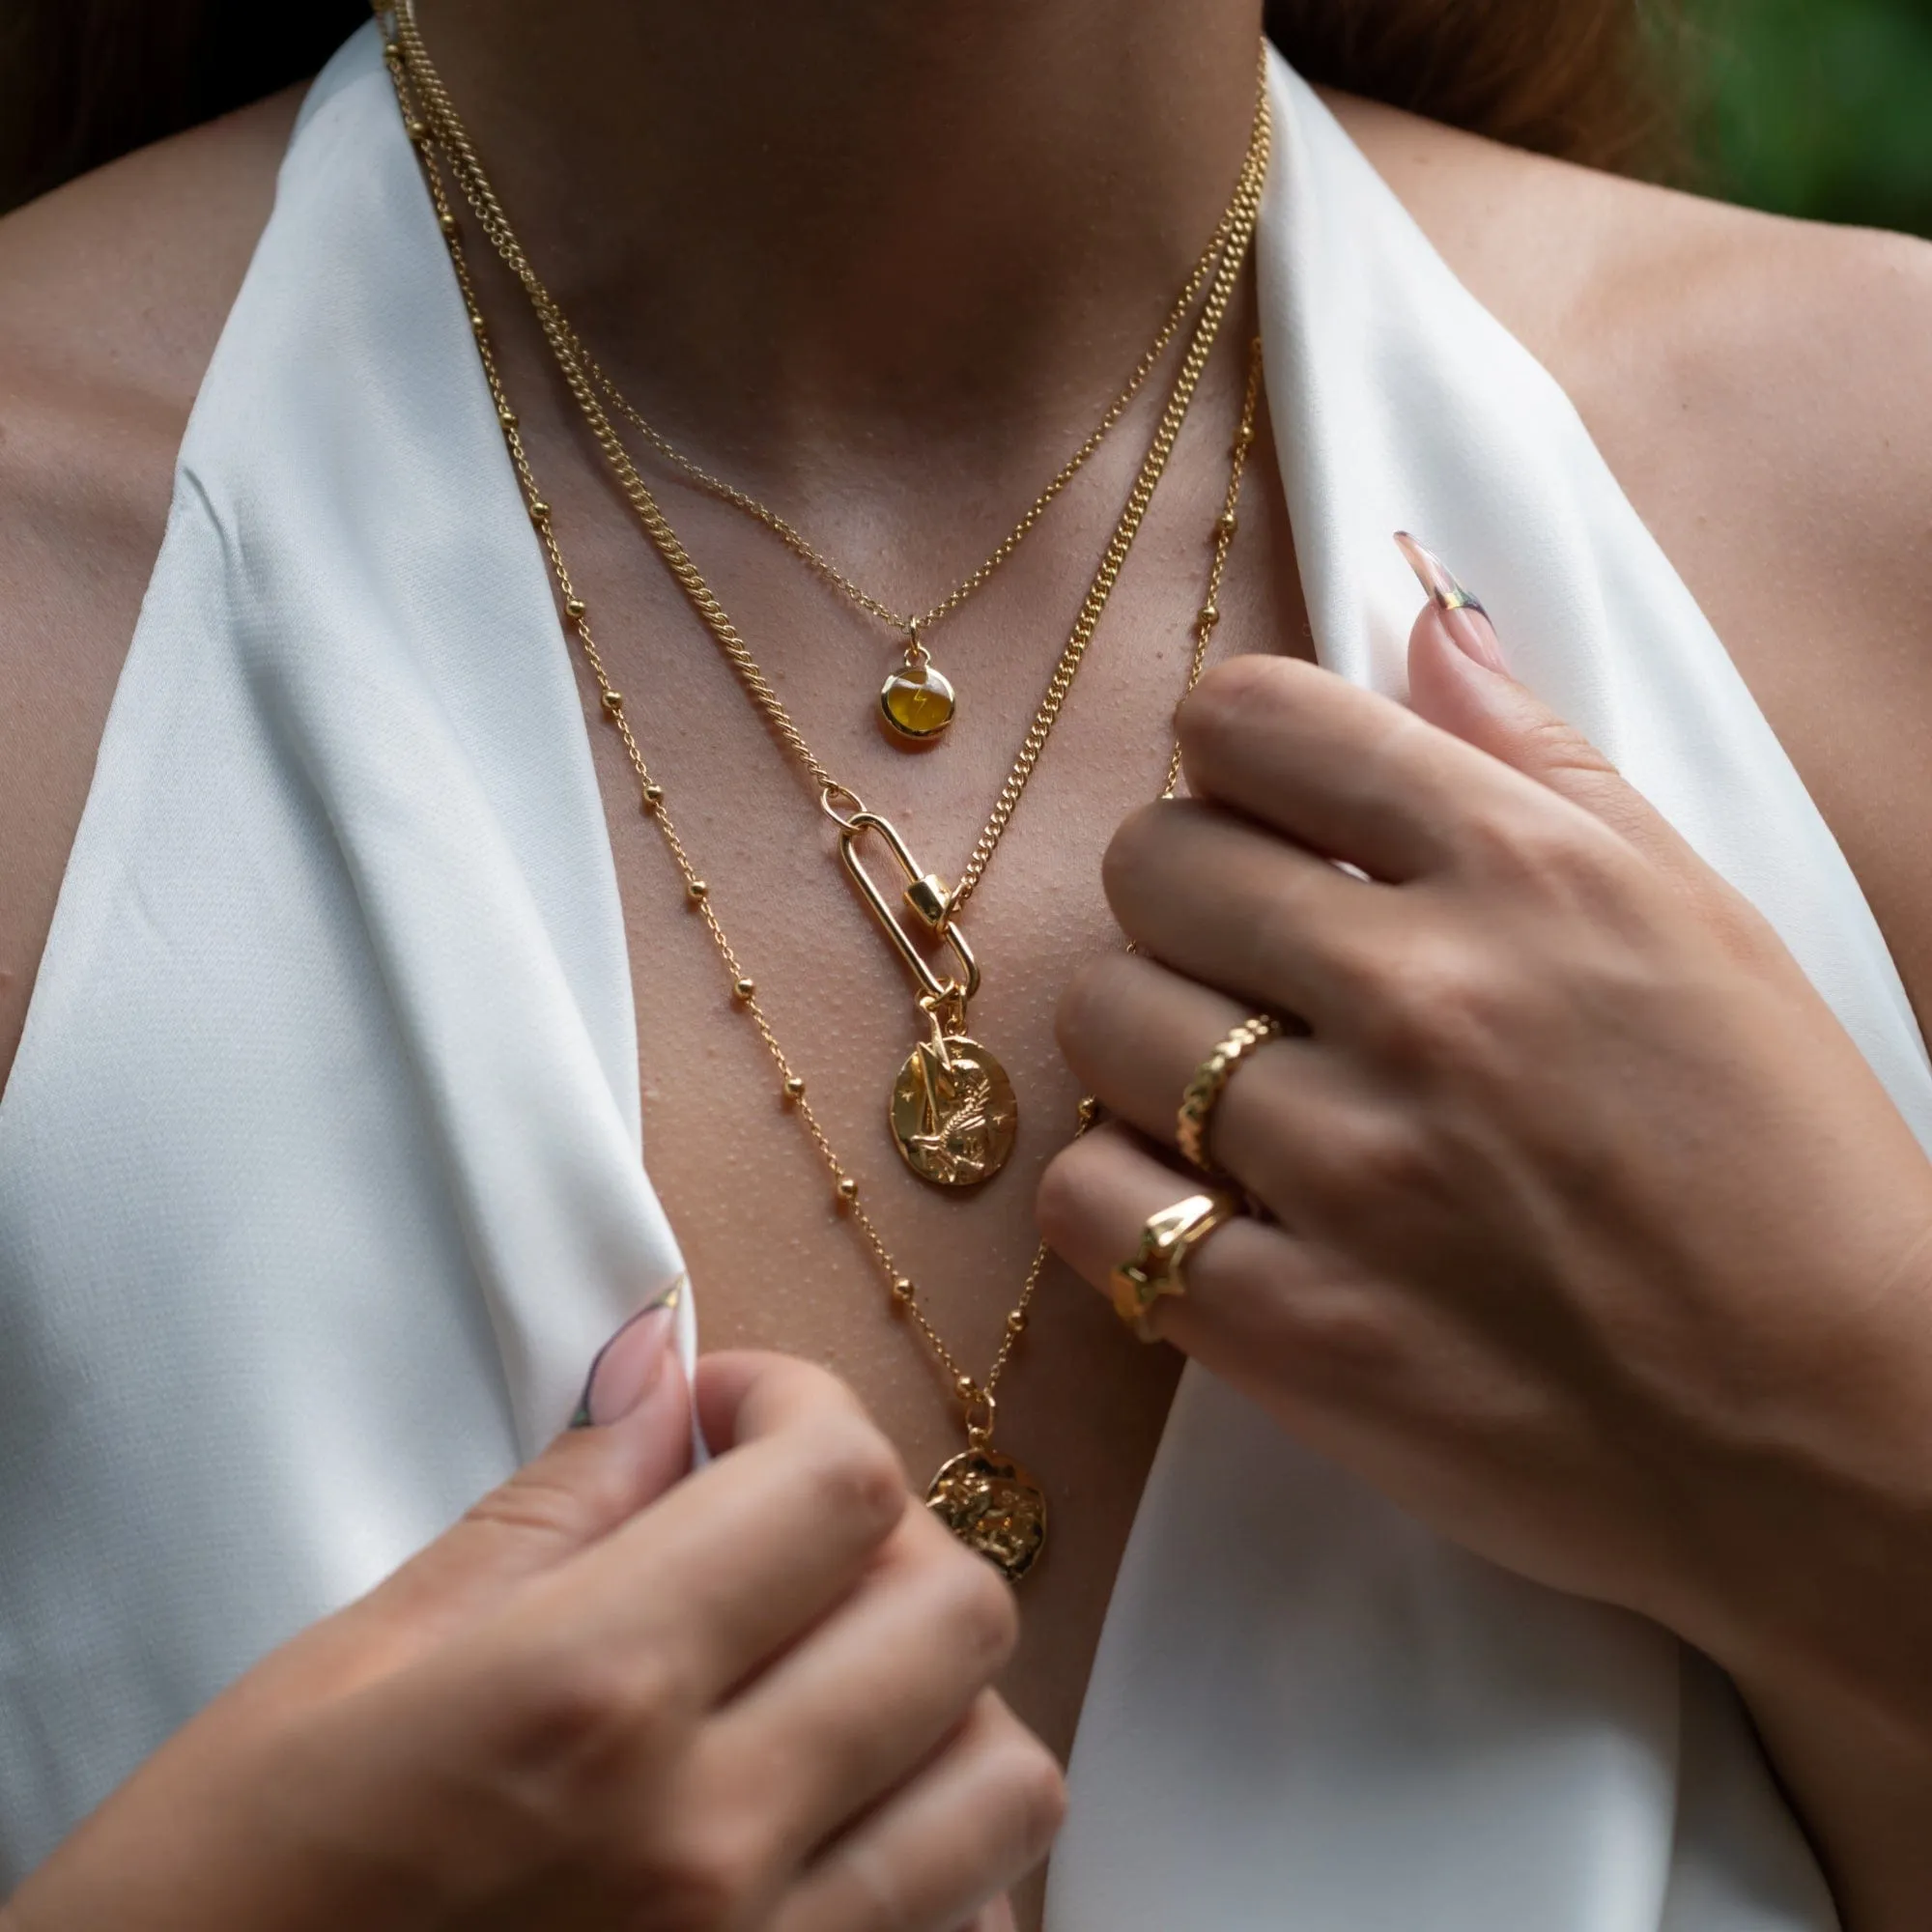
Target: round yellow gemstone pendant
917,701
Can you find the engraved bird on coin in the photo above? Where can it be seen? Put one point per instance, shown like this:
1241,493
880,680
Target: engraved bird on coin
953,1115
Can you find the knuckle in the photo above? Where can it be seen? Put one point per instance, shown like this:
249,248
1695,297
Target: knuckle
1084,1017
1437,1001
1552,853
710,1877
538,1502
1063,1198
854,1472
1133,852
1026,1792
1372,1160
575,1722
1039,1800
982,1618
1552,746
810,1387
1742,933
971,1604
1081,1001
1228,697
1276,938
1555,856
1344,1335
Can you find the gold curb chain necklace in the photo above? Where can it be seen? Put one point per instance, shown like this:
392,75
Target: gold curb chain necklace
987,1499
952,1108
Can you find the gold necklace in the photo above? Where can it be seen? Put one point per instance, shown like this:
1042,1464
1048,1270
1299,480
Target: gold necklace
951,1107
917,700
991,1502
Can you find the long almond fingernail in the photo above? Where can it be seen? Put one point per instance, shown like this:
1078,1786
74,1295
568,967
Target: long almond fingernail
627,1368
1462,615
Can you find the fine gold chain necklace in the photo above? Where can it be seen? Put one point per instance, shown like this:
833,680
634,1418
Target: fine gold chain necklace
987,1499
917,701
951,1107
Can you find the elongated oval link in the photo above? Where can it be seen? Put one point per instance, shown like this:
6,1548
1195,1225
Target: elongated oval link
937,988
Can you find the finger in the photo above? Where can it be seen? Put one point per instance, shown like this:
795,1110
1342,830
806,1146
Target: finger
1136,1033
1458,687
725,1571
588,1482
868,1693
1459,679
742,1394
1263,1308
1343,771
995,1915
1097,1194
945,1846
1126,1026
1232,905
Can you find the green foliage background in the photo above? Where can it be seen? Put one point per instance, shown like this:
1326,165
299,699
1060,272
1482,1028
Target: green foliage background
1817,108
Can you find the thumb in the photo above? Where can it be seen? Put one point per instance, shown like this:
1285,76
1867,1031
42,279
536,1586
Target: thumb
1460,680
629,1442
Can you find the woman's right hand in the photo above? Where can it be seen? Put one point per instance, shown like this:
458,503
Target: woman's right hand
757,1697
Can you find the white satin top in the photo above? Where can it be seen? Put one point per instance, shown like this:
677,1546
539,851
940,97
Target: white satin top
319,1166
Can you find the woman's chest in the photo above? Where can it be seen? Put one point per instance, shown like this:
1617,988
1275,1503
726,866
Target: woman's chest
748,1172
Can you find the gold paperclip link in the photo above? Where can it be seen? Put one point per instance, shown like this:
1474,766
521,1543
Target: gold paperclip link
937,989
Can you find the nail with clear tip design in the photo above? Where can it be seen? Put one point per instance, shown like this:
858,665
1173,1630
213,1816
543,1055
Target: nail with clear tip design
1462,615
629,1366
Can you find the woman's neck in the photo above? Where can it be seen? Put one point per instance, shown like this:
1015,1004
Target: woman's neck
884,226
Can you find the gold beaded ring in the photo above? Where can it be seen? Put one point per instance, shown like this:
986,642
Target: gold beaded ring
1211,1079
1159,1266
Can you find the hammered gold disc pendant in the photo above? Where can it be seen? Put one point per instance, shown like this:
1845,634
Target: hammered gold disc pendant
917,701
993,1506
952,1112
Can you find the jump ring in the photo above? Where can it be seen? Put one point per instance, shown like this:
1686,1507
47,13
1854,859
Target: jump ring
1159,1266
833,796
1195,1120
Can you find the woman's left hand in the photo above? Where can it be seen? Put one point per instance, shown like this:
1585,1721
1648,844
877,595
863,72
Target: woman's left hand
1591,1237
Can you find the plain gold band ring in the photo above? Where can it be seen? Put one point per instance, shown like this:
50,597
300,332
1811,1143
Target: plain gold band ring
1159,1266
1195,1121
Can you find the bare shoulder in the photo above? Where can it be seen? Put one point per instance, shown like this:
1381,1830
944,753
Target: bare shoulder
1762,390
1683,326
113,290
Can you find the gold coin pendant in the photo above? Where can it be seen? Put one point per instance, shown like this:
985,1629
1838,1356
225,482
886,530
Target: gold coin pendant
952,1112
993,1506
917,702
